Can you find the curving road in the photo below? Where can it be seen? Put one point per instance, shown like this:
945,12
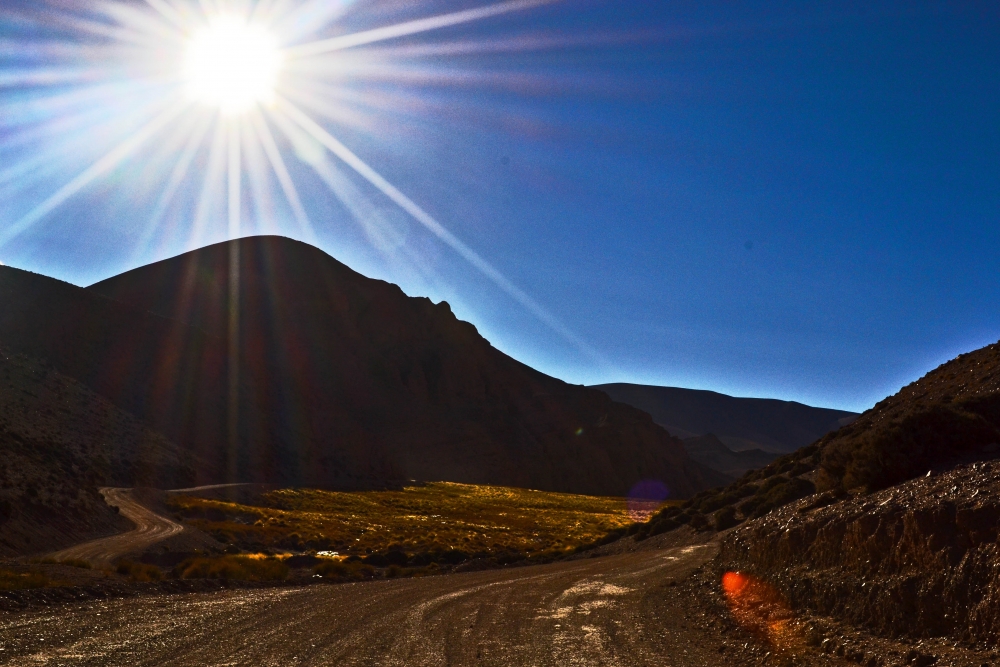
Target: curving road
615,610
150,528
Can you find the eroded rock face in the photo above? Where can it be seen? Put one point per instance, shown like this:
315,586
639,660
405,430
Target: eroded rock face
919,559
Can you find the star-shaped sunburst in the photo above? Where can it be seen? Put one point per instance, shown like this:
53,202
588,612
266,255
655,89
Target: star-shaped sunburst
238,78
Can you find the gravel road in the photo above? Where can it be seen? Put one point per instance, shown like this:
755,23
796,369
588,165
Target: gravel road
150,528
614,610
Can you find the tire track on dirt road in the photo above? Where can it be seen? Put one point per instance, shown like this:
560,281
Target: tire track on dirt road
592,611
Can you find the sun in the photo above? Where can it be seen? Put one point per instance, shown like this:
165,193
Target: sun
232,65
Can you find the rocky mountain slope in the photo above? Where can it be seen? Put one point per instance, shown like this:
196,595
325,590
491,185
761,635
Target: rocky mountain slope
918,559
60,442
315,375
946,417
890,523
740,423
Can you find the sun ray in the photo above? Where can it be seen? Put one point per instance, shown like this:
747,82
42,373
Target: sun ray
118,155
169,12
215,172
306,17
281,172
432,225
142,22
259,186
180,172
235,171
81,127
411,28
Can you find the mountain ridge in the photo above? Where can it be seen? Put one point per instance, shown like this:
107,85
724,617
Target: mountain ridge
741,423
340,380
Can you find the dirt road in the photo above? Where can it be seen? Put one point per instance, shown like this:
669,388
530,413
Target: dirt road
150,528
615,610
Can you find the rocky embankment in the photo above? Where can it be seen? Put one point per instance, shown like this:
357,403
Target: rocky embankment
920,559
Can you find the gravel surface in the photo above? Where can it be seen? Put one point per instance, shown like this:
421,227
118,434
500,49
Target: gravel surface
625,609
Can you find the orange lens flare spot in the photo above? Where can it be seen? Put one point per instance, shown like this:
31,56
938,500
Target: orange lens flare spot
760,609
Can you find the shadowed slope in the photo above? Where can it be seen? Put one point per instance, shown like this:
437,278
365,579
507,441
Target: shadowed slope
339,371
741,423
949,416
59,442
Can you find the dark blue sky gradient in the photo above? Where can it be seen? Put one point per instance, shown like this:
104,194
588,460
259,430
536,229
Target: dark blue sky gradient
794,200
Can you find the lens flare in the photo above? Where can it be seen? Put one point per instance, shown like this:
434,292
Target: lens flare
761,610
232,65
645,498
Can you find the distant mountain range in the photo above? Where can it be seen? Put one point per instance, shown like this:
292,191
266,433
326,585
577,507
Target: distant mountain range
740,423
266,360
712,452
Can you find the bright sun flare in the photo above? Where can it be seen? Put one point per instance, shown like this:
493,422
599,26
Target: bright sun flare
230,56
232,65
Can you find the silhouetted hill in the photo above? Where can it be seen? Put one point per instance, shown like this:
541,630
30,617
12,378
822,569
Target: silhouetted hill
59,443
329,378
709,451
949,416
740,423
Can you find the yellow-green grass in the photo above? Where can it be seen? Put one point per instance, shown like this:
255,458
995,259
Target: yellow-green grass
474,519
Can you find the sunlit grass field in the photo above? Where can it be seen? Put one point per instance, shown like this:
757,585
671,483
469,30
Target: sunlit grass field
432,518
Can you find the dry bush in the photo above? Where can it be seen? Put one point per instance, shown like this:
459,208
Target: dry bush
234,568
439,522
139,571
13,581
344,571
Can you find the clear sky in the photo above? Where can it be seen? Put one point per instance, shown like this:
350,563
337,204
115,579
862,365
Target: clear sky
797,200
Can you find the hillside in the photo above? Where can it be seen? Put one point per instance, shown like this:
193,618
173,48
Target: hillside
949,416
915,560
60,442
890,522
329,378
740,423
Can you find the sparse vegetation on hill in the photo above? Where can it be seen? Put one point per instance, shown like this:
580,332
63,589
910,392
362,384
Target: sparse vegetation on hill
918,559
950,415
440,522
60,442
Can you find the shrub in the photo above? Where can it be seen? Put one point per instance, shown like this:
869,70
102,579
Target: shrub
75,562
235,568
344,570
782,494
139,571
725,518
12,581
909,445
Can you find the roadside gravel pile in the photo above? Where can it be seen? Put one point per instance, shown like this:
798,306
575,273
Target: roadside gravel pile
917,560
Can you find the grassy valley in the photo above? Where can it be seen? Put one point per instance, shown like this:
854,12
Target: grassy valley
430,522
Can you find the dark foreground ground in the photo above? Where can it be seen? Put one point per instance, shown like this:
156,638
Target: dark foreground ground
624,609
658,607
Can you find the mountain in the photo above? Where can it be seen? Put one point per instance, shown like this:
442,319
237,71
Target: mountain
740,423
709,451
315,375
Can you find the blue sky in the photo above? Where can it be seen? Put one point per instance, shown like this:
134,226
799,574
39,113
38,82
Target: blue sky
793,200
